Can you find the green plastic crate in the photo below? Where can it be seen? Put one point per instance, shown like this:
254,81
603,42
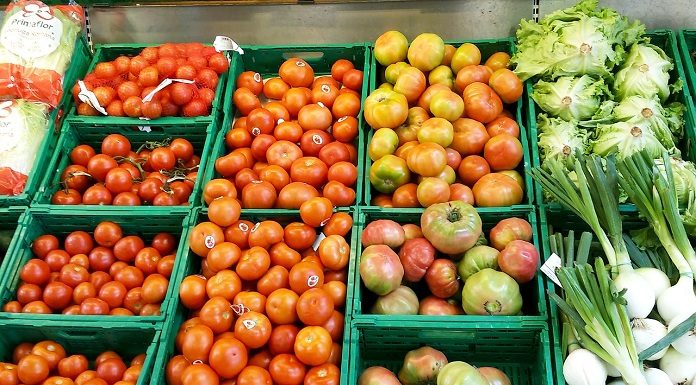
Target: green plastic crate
522,353
201,135
487,47
191,264
107,52
89,340
10,218
533,293
666,40
78,67
39,221
266,60
555,221
687,46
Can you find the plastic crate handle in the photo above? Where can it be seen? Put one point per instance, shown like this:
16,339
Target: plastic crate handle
308,56
78,334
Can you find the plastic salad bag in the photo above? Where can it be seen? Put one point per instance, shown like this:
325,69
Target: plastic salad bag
23,126
36,45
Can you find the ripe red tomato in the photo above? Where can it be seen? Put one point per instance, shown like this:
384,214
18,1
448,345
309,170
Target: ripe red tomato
503,152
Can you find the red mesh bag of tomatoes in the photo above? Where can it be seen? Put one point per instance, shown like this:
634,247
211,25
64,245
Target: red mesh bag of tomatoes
270,295
106,273
133,86
157,173
36,47
294,137
48,363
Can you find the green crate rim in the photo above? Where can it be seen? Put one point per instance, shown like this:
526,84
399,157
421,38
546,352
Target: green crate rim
229,111
689,119
687,42
80,59
168,120
352,375
17,213
527,160
43,195
355,282
10,267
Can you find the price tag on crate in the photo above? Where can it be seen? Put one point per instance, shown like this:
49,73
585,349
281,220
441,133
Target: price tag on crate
224,43
549,268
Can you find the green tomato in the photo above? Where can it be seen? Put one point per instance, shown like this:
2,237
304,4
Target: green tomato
402,301
491,292
383,142
460,373
476,259
389,173
452,227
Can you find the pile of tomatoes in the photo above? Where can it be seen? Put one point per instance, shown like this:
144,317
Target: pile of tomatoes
157,173
294,138
267,307
120,85
107,273
442,131
47,363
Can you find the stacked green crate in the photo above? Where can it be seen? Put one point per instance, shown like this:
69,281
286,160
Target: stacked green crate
78,67
43,220
666,40
266,60
190,264
9,229
201,136
522,353
534,310
108,52
88,340
487,48
687,47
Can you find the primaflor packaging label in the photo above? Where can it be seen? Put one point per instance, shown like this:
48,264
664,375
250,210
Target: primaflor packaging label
33,32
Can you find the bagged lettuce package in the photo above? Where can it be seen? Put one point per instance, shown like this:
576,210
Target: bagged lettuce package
23,126
36,46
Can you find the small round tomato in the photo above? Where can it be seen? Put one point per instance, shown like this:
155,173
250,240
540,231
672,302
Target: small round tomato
313,345
253,329
218,188
503,125
481,102
472,168
495,190
228,357
316,211
306,275
294,194
503,152
287,369
314,307
275,88
507,85
280,306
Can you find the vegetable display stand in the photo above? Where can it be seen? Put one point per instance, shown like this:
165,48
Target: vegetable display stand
666,40
487,48
533,310
521,353
60,223
687,46
266,60
10,218
78,67
88,340
108,52
200,135
190,264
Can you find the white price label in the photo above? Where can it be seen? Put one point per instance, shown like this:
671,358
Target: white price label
549,268
317,242
224,43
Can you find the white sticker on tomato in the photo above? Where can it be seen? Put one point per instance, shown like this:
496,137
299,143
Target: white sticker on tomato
32,32
210,241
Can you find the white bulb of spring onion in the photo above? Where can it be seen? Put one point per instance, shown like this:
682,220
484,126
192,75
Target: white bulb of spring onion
639,296
646,332
681,369
611,370
686,344
656,376
677,299
657,279
582,367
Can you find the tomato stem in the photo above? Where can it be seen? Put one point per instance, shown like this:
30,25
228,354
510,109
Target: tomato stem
454,215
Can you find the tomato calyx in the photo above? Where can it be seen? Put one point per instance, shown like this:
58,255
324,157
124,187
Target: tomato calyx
492,307
137,163
454,215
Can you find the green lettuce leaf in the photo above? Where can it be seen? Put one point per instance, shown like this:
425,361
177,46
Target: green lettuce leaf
571,98
645,72
559,139
666,119
624,139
